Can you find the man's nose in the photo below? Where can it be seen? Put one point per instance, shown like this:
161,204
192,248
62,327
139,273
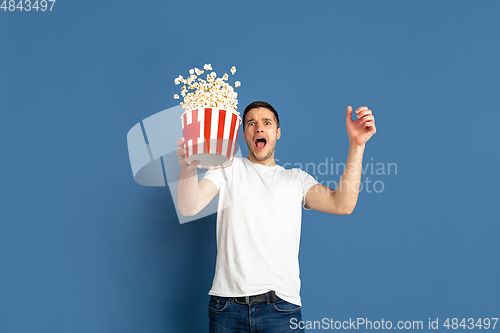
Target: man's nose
258,127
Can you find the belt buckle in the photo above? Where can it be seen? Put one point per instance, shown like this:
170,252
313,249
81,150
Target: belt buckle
247,299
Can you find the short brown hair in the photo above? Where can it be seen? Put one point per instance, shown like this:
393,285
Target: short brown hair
261,104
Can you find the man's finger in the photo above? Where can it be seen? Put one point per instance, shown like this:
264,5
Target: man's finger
366,118
368,122
361,108
348,114
192,165
370,125
180,142
363,113
180,152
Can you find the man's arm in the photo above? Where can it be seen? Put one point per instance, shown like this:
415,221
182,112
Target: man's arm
343,200
192,196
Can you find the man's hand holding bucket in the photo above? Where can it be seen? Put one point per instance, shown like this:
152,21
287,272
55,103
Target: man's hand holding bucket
181,152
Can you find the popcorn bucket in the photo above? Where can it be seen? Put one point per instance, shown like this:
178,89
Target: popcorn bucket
210,136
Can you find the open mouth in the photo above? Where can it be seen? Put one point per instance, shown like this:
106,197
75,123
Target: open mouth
260,143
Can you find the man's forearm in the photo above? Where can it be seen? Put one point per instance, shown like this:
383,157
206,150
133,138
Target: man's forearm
187,190
346,194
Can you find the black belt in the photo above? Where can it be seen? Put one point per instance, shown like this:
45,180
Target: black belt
262,298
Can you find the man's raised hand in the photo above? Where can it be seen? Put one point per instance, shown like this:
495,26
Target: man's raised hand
361,129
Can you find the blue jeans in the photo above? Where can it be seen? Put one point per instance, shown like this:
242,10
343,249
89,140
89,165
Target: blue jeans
227,316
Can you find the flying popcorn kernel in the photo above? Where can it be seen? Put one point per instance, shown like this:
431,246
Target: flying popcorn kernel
176,96
233,70
237,84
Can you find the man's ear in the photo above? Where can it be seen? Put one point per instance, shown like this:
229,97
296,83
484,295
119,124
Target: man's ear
279,133
244,136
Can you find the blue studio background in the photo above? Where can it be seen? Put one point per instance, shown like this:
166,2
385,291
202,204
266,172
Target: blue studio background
83,248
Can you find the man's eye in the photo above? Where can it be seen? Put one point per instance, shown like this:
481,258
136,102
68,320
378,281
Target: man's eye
268,123
250,123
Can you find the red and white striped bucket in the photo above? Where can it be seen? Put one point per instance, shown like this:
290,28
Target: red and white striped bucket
210,136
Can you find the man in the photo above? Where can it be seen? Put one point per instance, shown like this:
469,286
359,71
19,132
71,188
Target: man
256,284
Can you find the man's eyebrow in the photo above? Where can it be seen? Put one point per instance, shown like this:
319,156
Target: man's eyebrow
266,119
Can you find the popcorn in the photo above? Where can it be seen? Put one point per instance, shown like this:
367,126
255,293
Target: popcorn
214,92
178,79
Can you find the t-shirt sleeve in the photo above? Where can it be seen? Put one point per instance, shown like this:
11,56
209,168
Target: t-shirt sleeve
307,182
215,176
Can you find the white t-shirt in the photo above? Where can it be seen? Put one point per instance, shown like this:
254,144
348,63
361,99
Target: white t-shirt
258,229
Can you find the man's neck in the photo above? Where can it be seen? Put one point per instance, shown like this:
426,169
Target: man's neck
269,162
